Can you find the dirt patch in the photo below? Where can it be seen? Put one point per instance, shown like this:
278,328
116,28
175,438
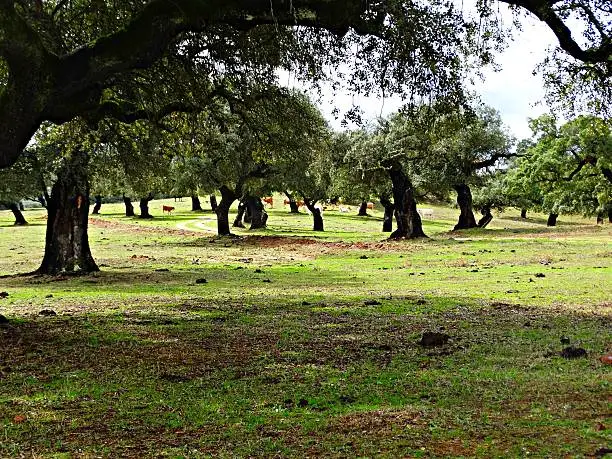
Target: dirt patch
99,223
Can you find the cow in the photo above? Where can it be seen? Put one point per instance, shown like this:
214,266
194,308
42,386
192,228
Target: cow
370,205
168,209
268,200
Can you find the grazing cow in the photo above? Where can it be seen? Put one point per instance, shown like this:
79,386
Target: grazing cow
268,200
426,212
167,209
370,205
344,209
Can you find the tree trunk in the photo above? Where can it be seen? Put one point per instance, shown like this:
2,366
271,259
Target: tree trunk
552,219
129,207
42,200
408,220
316,215
464,201
227,198
600,218
240,215
388,217
487,216
19,218
98,204
610,215
293,207
258,214
144,206
196,206
21,206
213,202
523,213
363,209
67,244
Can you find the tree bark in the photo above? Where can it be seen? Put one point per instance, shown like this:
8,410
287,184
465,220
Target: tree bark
240,215
19,218
487,216
600,218
408,220
227,198
144,206
317,217
363,209
129,207
258,214
293,207
213,202
552,219
196,206
67,243
464,201
610,215
97,205
388,217
523,213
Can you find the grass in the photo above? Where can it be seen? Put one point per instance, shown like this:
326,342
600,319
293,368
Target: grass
307,346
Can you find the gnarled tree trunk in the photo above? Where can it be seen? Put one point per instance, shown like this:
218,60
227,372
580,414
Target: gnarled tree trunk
19,218
213,202
240,215
552,219
144,206
363,209
464,201
228,196
67,244
258,214
600,218
293,207
523,213
317,216
97,205
487,216
388,217
129,207
196,205
408,220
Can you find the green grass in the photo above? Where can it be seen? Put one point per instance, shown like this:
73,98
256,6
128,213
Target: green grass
278,354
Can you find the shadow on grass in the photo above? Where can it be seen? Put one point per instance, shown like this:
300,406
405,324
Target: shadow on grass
229,376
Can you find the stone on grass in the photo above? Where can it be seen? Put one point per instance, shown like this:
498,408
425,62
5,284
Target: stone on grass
572,352
432,339
47,313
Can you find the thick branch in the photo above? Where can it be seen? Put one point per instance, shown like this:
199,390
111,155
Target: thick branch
544,11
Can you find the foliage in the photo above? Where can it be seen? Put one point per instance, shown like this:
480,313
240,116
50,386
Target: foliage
566,168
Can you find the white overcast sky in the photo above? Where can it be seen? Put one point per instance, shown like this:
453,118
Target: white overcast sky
514,91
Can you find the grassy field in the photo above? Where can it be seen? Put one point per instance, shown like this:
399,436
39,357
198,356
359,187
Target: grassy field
287,343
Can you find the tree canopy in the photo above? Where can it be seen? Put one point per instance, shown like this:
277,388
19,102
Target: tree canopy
61,59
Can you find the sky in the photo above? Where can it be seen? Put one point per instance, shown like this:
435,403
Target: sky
514,91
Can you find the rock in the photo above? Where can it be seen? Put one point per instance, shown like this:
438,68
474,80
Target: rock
606,359
49,296
47,313
372,303
432,339
4,294
201,281
601,452
306,303
363,257
540,275
258,271
3,320
572,352
267,281
162,270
